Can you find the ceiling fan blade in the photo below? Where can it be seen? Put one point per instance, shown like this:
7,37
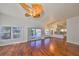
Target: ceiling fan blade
37,8
27,14
36,16
25,6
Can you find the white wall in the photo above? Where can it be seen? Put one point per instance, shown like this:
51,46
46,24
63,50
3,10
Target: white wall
6,20
73,30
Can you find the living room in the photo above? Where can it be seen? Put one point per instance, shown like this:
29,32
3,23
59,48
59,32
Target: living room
56,23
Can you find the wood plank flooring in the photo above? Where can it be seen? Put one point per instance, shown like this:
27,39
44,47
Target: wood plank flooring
46,47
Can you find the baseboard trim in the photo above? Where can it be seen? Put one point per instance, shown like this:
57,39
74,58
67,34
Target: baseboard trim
73,43
13,43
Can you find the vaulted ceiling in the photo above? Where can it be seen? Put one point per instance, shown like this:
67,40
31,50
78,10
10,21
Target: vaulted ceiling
52,11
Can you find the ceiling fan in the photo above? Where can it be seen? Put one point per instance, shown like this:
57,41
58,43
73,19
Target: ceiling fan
35,10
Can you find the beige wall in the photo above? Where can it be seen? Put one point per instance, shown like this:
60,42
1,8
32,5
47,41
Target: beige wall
73,30
7,20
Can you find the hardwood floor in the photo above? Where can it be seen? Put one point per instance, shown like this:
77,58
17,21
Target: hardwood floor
46,47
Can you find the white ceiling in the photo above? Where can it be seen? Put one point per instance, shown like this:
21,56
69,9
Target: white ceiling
51,10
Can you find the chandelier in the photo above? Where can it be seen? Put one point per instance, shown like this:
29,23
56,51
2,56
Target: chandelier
34,10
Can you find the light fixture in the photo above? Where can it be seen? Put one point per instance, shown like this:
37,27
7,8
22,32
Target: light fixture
63,30
34,10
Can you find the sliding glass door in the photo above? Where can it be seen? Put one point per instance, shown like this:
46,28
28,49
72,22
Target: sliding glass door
36,33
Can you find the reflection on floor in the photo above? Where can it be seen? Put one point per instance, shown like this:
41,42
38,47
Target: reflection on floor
46,47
